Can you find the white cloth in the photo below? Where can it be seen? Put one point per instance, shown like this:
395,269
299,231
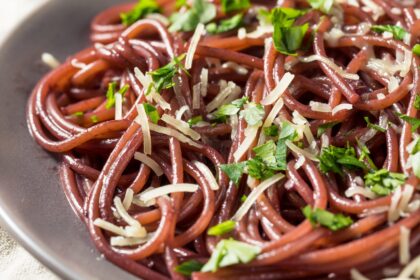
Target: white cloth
15,262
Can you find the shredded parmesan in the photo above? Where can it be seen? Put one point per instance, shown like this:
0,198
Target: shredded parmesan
128,198
274,112
253,196
181,126
393,213
196,96
181,111
230,92
333,36
165,190
77,64
356,275
341,107
250,135
410,269
354,190
241,70
393,84
204,81
142,120
330,64
371,6
109,227
149,162
319,107
171,132
300,162
300,151
120,241
49,60
195,39
118,106
381,96
234,120
207,174
280,88
404,245
241,33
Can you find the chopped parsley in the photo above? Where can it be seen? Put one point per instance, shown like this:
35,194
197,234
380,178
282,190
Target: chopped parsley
163,77
188,267
78,114
365,155
320,217
243,198
151,112
272,130
222,228
140,10
225,25
323,127
234,171
201,11
229,252
287,37
94,118
397,32
322,5
416,49
110,94
288,132
258,169
414,122
417,102
374,126
195,120
382,182
235,5
415,162
334,159
253,113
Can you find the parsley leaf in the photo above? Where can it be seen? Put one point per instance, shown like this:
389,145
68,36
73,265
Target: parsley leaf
397,32
222,228
229,252
253,114
151,112
163,77
417,102
201,11
229,109
142,8
323,127
288,132
94,118
110,94
180,3
415,161
188,267
322,5
234,171
234,5
243,198
415,123
326,219
374,126
365,154
382,182
266,153
225,25
195,120
272,130
416,49
335,158
79,114
258,169
286,37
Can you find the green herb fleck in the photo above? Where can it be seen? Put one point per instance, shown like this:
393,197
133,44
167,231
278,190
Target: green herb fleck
416,49
151,112
234,171
322,5
272,130
79,114
417,102
229,109
243,198
397,32
188,267
414,122
142,8
225,25
195,120
201,11
94,118
163,77
110,94
323,127
374,126
320,217
222,228
253,114
235,5
382,182
334,159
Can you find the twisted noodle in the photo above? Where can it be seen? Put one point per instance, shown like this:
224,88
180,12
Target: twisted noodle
97,156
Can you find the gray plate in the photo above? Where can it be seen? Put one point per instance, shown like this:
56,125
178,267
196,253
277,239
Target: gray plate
32,205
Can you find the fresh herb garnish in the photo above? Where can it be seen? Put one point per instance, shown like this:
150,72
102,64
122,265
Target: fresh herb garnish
188,267
365,155
323,127
253,113
287,38
142,8
151,112
110,94
243,198
201,11
320,217
163,77
288,132
222,228
225,25
229,109
258,169
382,182
416,49
373,126
235,5
234,171
78,114
322,5
94,118
195,120
417,102
415,162
272,130
334,159
180,3
229,252
414,122
397,32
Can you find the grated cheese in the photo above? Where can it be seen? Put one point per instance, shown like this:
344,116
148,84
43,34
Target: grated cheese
341,107
241,70
165,190
128,198
255,193
204,81
149,162
49,60
109,227
354,190
195,39
207,174
77,64
356,275
230,92
371,6
300,162
233,121
280,88
250,135
404,245
274,112
142,120
196,96
180,125
319,107
173,133
118,106
120,241
330,64
410,269
300,151
180,112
